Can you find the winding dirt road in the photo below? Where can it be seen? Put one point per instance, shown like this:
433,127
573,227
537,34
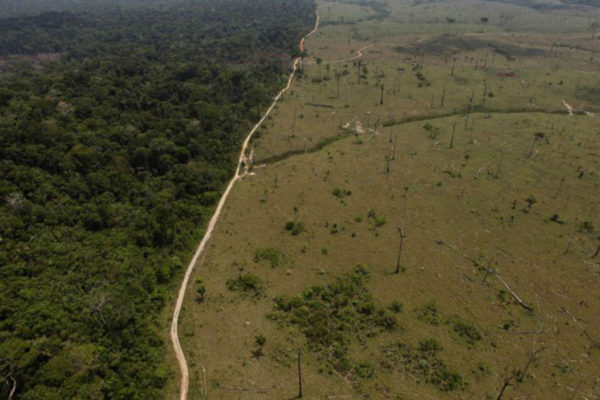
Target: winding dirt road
183,367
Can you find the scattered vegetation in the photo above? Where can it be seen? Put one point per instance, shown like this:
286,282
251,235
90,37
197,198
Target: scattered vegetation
376,220
333,316
247,283
341,193
465,330
422,362
273,257
294,227
429,313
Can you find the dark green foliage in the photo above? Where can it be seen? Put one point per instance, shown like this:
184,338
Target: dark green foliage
112,157
294,227
433,131
271,255
429,313
423,363
341,193
531,200
364,370
465,330
396,307
200,293
247,283
332,316
260,340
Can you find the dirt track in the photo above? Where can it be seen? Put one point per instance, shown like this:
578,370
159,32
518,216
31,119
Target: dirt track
183,367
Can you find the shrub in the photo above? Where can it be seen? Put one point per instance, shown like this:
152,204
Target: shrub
429,313
273,256
200,293
423,363
294,227
465,330
377,221
260,340
247,283
396,306
364,370
341,193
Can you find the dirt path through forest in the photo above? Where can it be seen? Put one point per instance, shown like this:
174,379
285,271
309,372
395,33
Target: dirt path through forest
183,367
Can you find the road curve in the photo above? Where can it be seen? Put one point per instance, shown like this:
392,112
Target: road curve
183,367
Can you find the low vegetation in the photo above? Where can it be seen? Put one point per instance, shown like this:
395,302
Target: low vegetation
331,317
422,362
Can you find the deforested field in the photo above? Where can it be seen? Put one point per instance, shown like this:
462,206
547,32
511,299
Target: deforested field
420,217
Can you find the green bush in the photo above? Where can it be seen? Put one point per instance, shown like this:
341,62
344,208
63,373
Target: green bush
271,255
423,363
428,313
341,193
247,283
396,307
465,330
294,227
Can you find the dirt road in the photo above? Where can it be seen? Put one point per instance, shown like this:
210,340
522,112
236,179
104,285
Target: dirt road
183,367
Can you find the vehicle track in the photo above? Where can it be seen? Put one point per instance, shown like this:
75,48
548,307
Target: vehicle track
183,367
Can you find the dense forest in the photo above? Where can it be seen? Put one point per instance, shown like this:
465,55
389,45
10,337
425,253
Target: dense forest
119,127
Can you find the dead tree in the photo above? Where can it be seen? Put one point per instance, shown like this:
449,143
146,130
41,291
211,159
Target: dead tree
381,98
452,137
12,381
507,382
538,136
299,374
597,252
485,89
402,236
592,339
521,302
532,356
453,65
387,164
499,165
443,96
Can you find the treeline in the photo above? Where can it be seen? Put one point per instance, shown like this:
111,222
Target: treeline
111,159
536,4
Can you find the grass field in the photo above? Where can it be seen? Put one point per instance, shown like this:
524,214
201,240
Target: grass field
495,188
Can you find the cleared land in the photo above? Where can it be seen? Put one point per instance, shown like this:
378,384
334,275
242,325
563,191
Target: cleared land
492,181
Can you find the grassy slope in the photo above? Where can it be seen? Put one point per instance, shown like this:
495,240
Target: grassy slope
456,206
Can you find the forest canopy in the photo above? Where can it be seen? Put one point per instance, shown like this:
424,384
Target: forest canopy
119,127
